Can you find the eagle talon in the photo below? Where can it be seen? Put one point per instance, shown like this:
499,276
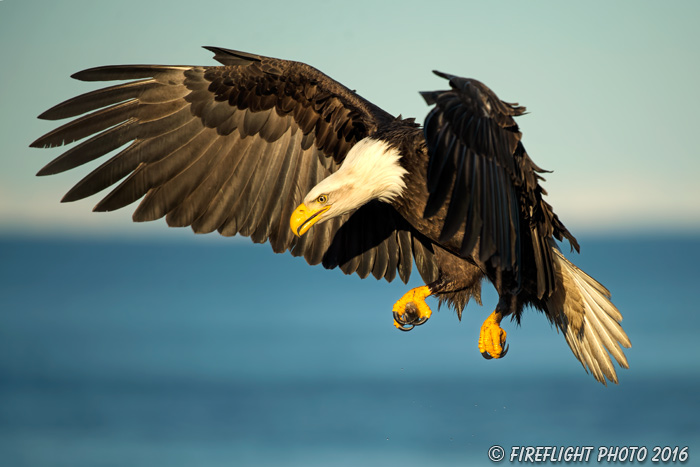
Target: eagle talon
492,339
400,319
488,356
419,321
403,326
407,321
411,309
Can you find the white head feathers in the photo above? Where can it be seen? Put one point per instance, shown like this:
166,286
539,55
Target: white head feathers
371,170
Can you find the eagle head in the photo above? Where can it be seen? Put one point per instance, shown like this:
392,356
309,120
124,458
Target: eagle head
371,170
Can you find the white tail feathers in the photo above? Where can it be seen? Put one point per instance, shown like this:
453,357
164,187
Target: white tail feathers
582,309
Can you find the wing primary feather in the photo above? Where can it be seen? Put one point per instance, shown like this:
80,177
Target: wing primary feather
149,175
245,181
426,267
215,204
199,213
203,181
474,222
285,202
436,199
332,254
162,73
281,236
129,159
486,245
458,207
353,252
381,261
87,125
393,256
91,149
406,261
370,240
439,156
539,266
366,257
171,189
100,98
262,184
503,220
269,213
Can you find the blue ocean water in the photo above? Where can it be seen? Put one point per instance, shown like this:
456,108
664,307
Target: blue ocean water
220,353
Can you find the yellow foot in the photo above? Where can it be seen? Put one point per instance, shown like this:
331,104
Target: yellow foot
492,337
411,309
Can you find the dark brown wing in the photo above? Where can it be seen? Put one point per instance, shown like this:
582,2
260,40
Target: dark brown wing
231,148
479,166
387,245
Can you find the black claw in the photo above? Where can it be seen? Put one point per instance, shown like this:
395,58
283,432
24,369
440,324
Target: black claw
488,356
409,319
404,325
420,321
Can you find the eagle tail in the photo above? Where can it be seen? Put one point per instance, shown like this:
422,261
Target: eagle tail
581,308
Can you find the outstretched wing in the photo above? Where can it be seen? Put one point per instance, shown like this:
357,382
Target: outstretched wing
479,165
232,148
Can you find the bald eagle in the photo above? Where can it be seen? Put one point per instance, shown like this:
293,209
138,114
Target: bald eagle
259,145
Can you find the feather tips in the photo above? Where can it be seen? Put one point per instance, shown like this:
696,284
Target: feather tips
582,309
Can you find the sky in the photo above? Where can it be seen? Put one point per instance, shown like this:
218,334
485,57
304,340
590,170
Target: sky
611,88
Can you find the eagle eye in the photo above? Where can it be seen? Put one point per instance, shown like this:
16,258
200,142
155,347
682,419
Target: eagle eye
322,199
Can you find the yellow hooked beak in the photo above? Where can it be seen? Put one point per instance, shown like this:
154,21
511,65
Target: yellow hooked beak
303,218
